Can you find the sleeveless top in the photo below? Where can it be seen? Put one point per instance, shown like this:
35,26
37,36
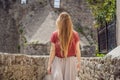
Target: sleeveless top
72,48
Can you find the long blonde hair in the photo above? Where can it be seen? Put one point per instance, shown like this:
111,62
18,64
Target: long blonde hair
65,31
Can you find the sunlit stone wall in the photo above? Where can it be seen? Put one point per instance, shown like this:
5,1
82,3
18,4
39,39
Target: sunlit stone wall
26,67
118,22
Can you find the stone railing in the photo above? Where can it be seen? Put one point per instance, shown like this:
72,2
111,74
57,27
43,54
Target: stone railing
22,67
44,49
100,68
36,49
33,67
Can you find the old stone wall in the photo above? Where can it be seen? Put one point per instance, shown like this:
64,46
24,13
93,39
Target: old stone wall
22,67
12,24
37,49
9,35
26,67
100,68
118,22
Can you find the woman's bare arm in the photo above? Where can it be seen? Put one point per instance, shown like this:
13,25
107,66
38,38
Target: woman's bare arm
52,54
78,54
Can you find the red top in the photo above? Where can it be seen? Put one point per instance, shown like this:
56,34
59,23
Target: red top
72,49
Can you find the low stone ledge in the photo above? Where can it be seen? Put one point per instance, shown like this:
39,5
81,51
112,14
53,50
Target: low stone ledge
22,67
33,67
105,68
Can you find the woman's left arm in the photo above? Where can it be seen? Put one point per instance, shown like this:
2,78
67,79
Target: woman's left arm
78,54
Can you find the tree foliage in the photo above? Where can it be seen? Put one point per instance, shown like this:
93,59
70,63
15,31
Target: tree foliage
104,11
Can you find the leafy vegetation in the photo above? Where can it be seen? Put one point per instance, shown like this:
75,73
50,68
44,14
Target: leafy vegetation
100,55
104,11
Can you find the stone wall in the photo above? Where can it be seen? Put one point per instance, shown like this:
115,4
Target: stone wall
100,68
118,22
12,22
44,49
37,49
22,67
26,67
9,35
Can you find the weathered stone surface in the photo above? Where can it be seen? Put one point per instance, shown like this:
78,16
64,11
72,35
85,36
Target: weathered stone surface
22,67
118,22
114,53
12,13
9,36
33,67
100,68
37,49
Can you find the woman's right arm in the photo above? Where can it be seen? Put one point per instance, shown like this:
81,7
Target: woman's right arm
51,58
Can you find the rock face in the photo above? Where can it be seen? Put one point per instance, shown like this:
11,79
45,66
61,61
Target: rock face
26,67
9,35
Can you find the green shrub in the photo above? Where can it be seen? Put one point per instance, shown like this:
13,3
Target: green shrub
104,11
100,54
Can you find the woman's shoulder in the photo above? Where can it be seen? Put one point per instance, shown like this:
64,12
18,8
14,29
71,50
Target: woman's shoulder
54,32
75,32
76,35
54,36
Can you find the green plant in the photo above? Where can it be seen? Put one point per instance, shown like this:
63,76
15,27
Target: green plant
104,11
100,54
35,42
31,43
20,28
80,30
24,39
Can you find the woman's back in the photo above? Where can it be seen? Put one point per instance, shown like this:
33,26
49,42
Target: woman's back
72,45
